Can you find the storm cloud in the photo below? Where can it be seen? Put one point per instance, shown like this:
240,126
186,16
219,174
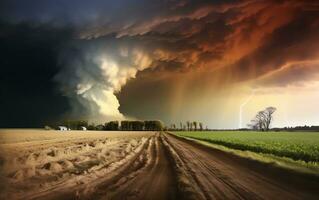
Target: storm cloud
29,61
87,53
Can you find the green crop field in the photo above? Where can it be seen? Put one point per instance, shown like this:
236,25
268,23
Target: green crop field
296,145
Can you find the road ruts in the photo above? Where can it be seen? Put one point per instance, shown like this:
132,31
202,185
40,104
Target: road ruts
156,180
221,175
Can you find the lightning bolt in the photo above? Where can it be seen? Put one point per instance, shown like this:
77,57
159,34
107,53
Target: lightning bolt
243,105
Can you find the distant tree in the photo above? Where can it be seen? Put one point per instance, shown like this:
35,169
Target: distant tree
173,126
125,125
91,126
181,126
132,125
154,125
258,123
195,125
298,128
189,125
99,127
269,116
200,126
158,125
184,127
262,119
149,125
137,125
253,125
112,125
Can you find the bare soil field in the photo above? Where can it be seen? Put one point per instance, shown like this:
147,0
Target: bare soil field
37,164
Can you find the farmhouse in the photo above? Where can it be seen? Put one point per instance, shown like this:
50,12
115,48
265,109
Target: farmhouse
83,128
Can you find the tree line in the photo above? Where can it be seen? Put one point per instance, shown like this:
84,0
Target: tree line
125,125
187,126
298,128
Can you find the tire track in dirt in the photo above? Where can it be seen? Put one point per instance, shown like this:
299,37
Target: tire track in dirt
154,179
49,178
98,177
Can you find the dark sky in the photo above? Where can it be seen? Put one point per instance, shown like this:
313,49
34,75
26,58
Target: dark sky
173,60
29,62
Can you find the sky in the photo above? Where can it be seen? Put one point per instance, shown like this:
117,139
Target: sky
217,62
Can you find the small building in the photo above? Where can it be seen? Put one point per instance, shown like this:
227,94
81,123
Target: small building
83,128
63,128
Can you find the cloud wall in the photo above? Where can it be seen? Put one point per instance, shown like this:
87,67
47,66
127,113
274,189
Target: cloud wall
176,50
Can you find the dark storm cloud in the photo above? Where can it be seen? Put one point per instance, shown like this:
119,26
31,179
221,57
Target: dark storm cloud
226,42
110,29
255,38
293,42
28,95
298,73
120,16
242,43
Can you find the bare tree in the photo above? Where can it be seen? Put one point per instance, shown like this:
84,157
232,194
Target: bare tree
263,119
173,126
188,125
195,125
254,125
200,126
269,116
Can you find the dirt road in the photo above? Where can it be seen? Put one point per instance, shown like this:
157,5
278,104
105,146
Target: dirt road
145,166
218,175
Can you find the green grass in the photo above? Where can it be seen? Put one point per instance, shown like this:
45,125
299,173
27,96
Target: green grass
303,146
